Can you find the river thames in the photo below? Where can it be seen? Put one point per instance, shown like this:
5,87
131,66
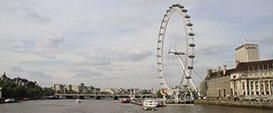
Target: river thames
114,106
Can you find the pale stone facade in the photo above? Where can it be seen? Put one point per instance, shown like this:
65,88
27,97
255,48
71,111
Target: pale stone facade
253,81
216,84
219,87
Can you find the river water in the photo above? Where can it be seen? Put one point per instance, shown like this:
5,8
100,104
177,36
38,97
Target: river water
114,106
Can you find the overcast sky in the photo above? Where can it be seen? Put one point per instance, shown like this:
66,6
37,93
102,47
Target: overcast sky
112,43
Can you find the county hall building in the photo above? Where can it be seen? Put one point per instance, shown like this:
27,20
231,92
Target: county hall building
250,79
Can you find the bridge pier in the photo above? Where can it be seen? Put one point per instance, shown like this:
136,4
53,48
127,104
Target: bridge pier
97,97
115,98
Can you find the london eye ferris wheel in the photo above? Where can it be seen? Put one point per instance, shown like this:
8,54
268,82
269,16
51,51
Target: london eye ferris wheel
176,51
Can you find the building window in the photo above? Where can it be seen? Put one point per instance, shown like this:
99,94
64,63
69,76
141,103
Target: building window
257,87
252,85
231,92
224,92
243,85
266,88
248,92
247,87
271,86
262,87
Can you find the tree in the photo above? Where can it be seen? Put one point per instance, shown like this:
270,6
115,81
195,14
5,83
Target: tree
159,95
20,91
48,92
11,90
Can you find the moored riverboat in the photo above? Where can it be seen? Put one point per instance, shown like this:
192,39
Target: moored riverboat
124,100
25,99
150,104
52,97
9,100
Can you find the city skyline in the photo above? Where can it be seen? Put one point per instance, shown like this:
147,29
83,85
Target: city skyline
113,43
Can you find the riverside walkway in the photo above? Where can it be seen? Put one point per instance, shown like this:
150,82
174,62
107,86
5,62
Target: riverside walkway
268,104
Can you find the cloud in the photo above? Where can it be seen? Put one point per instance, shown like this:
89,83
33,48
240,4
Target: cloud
87,74
92,62
46,46
51,40
133,55
31,14
44,62
24,10
265,40
16,69
265,46
106,68
115,41
213,49
82,73
39,75
112,54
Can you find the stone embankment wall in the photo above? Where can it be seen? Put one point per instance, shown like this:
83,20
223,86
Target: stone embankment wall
236,103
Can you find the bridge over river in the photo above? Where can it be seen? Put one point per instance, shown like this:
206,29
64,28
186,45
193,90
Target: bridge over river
98,96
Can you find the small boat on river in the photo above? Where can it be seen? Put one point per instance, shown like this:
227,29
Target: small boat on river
150,104
78,101
25,99
124,100
10,100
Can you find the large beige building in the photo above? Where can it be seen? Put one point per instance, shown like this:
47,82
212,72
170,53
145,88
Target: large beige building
247,53
250,79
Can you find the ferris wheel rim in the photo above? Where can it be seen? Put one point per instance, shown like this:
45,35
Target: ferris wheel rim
189,44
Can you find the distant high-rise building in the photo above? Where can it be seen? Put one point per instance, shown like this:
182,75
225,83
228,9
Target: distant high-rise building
247,53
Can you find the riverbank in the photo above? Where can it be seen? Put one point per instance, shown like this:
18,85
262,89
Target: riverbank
237,103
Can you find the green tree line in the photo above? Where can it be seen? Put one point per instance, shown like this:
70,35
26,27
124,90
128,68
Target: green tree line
11,90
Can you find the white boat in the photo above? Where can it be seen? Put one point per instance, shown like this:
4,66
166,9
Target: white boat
62,97
9,100
78,101
78,98
150,104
